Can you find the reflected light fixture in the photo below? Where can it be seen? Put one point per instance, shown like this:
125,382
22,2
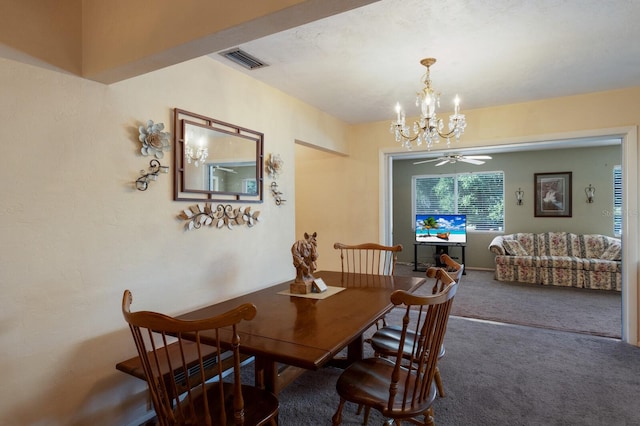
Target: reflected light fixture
519,196
142,183
591,192
196,155
429,129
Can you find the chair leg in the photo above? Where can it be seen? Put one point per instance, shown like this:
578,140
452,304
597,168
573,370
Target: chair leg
337,417
367,410
428,417
439,382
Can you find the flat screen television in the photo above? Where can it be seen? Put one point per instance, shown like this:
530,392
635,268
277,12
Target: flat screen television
441,228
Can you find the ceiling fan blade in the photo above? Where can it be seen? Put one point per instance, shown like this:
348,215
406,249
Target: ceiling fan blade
470,160
445,161
429,161
478,157
224,169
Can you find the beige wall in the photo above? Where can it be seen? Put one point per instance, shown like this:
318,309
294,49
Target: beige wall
75,233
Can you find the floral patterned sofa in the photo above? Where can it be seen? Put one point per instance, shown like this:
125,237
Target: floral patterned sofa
559,258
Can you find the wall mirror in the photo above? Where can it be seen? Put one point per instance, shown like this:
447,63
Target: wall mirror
216,161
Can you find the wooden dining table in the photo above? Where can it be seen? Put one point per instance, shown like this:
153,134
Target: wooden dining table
294,333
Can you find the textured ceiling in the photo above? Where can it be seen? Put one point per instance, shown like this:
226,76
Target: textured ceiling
357,64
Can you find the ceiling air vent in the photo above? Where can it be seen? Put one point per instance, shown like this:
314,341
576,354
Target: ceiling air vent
243,58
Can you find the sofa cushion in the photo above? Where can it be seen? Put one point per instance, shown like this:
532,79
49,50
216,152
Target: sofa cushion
554,244
517,260
527,240
514,248
600,265
562,262
613,252
593,245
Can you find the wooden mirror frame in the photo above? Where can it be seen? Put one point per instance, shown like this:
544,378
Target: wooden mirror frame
181,192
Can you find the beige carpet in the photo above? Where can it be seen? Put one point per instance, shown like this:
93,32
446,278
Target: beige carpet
594,312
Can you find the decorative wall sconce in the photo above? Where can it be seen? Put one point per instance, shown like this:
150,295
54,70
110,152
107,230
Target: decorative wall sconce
223,215
519,196
591,192
142,183
276,194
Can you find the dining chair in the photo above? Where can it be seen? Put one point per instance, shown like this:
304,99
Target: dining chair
368,258
186,397
400,387
386,339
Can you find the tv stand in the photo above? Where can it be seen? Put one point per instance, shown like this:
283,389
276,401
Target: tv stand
440,249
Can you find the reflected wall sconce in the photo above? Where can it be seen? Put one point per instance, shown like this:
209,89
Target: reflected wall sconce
142,183
196,154
591,192
519,196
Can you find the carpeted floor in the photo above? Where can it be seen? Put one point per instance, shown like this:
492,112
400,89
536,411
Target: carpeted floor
501,374
578,310
506,374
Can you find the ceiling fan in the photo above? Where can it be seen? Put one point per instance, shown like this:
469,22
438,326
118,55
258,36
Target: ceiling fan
453,158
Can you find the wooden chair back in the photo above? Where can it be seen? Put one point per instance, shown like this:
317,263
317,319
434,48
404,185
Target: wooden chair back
368,258
454,269
412,383
191,396
401,386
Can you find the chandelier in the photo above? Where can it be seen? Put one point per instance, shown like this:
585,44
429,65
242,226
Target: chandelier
429,129
197,155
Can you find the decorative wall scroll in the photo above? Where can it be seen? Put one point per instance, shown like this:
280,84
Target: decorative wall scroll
223,215
553,194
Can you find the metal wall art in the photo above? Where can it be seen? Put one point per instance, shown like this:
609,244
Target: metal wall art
277,195
274,165
142,183
154,140
223,215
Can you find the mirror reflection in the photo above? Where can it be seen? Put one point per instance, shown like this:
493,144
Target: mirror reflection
216,161
219,161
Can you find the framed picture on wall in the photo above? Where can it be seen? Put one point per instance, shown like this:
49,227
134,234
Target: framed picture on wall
553,194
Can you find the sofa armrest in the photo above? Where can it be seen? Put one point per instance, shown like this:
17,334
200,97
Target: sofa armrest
496,246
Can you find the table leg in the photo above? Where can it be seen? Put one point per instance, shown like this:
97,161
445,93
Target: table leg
273,377
266,374
355,350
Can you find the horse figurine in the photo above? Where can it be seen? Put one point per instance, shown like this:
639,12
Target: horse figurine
305,254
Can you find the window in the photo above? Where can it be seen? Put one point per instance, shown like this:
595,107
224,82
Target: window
617,201
480,196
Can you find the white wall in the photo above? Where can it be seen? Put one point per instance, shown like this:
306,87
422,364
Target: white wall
75,233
